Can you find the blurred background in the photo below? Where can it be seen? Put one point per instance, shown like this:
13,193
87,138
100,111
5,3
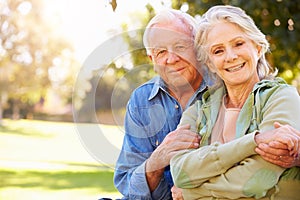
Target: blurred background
47,80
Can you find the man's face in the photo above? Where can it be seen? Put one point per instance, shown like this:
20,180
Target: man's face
173,55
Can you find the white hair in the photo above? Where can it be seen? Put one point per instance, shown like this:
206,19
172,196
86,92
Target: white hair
168,16
237,16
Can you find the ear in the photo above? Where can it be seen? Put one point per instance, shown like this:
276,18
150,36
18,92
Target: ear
259,50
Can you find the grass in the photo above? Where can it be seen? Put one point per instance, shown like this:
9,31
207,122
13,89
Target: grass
57,180
46,160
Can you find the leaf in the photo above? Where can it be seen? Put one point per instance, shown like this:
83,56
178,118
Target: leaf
113,4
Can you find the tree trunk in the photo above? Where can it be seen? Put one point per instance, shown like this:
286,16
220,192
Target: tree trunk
1,114
16,110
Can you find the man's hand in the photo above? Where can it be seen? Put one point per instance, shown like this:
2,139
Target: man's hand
180,139
280,146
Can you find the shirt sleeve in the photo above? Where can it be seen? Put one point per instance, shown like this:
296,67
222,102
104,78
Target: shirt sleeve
215,170
130,176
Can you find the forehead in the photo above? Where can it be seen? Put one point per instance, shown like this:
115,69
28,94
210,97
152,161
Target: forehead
168,34
224,32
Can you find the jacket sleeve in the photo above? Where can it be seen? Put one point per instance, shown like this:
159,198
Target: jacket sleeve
130,175
216,169
283,106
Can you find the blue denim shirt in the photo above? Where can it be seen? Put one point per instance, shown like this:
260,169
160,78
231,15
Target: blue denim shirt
151,114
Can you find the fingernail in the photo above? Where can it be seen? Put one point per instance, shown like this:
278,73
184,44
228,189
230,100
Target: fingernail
196,144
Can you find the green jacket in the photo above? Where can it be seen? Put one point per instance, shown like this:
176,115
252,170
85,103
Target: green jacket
234,170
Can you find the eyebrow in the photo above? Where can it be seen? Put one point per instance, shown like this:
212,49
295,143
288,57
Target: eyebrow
233,39
180,41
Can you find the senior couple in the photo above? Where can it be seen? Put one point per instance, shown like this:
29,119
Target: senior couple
216,123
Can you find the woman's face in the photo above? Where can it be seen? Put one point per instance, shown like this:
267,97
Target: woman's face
232,55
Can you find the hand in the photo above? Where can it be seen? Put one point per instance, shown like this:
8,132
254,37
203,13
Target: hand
180,139
284,154
277,153
176,193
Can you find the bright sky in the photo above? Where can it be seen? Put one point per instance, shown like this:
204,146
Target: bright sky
87,23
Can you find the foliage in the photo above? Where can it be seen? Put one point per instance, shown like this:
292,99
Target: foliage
278,19
30,54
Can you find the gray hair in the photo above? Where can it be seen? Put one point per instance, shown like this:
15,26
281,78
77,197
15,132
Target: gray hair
237,16
168,16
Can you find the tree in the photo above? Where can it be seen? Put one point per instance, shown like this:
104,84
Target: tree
278,19
28,49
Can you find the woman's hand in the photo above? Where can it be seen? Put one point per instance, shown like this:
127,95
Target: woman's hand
280,146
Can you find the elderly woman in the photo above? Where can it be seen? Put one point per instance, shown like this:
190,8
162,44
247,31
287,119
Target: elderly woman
248,108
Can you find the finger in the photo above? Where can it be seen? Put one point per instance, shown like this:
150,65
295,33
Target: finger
187,136
266,155
294,142
187,145
277,125
184,133
274,151
185,126
279,162
289,140
290,128
173,189
278,145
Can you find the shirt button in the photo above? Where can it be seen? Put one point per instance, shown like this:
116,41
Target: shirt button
176,106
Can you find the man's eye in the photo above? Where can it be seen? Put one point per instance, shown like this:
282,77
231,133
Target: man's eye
161,51
180,48
158,52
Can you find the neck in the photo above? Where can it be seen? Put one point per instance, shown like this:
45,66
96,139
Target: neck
183,94
182,97
237,96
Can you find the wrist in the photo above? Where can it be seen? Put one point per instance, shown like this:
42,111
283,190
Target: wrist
153,166
257,138
153,174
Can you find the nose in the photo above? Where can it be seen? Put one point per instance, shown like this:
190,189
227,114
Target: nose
230,55
172,57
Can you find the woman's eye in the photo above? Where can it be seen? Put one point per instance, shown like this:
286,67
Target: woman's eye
239,44
218,51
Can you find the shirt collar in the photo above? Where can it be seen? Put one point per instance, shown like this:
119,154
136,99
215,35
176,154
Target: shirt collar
160,84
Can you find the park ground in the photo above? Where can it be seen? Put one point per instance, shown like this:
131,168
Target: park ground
46,160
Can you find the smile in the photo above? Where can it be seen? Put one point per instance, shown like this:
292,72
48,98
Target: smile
236,68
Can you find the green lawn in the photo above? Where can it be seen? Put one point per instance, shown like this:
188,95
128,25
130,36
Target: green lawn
46,160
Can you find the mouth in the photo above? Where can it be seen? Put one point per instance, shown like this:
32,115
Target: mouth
178,70
235,68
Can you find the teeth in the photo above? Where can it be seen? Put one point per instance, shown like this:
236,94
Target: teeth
233,69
